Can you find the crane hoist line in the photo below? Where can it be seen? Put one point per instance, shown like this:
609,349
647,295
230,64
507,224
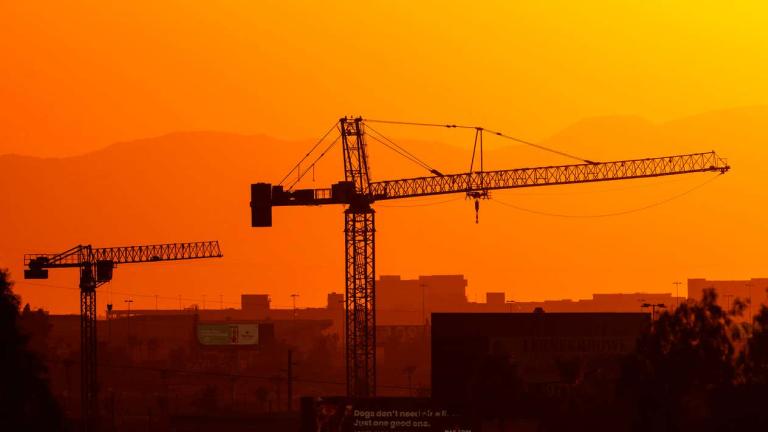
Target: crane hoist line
358,192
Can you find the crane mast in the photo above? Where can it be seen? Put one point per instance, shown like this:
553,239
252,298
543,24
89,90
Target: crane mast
360,264
358,193
96,266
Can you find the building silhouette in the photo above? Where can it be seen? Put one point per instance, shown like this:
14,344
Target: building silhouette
754,291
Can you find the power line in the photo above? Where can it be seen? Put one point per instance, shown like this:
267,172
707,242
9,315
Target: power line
133,294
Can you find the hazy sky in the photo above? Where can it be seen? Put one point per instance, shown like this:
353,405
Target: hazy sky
76,76
79,75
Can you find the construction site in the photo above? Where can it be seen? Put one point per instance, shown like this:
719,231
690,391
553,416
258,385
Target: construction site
380,342
383,216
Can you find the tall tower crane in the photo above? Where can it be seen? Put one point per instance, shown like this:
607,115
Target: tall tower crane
96,266
358,193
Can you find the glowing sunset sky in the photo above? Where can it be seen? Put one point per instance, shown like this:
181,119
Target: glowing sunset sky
78,76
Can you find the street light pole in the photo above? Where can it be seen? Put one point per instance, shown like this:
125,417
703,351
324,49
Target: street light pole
294,305
728,298
129,301
509,307
653,307
423,304
751,317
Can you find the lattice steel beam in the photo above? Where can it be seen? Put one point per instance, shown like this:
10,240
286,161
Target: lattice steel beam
360,300
127,254
546,176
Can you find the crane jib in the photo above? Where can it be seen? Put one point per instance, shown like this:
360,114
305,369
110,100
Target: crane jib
264,196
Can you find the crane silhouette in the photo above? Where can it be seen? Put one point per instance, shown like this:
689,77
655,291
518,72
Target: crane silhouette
96,267
358,192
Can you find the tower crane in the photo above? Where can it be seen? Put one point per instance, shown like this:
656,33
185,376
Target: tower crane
96,266
358,192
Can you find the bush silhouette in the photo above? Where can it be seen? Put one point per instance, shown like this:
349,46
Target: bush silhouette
26,402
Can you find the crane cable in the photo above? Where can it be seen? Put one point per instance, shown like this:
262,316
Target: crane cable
312,165
619,213
497,133
400,150
425,204
298,164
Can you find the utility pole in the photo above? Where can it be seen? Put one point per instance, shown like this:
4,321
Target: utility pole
203,301
294,305
423,303
129,301
109,320
728,298
409,370
290,380
653,308
751,317
425,322
677,293
509,302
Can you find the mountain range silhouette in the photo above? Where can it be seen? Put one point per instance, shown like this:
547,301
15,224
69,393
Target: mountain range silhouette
194,186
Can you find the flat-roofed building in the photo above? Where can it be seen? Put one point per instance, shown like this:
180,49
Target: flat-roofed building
754,291
542,354
411,301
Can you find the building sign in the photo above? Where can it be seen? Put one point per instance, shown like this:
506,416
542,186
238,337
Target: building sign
379,414
228,334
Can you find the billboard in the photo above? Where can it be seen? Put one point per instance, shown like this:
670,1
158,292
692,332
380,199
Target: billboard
379,414
228,334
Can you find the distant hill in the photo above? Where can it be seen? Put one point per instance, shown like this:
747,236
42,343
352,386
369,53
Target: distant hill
194,186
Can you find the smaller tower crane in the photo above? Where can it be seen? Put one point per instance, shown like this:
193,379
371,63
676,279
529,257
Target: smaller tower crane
96,266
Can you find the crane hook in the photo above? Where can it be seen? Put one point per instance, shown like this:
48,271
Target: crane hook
477,210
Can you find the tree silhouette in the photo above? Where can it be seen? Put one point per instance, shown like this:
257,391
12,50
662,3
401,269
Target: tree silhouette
26,402
756,355
682,366
743,406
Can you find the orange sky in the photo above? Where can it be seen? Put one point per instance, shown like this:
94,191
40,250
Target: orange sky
77,76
